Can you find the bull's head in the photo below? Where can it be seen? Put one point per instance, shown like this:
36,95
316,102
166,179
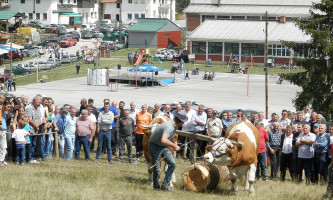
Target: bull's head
219,151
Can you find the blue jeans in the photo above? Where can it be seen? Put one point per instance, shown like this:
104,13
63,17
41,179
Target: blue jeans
33,142
156,152
20,152
61,145
261,166
70,147
321,164
84,140
101,137
48,144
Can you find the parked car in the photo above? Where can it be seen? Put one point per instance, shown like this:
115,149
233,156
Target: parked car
45,42
73,57
97,34
54,61
66,59
17,70
42,65
66,42
164,55
28,67
75,33
86,34
36,24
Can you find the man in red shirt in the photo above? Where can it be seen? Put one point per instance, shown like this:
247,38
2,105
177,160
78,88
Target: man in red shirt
262,151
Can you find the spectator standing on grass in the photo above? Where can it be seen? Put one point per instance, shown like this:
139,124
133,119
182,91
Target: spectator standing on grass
14,84
93,118
105,120
9,85
95,112
273,144
157,111
3,126
321,146
84,132
60,120
33,112
299,118
261,166
77,68
167,111
20,136
199,120
142,118
299,130
126,126
214,126
287,153
329,191
228,122
284,121
305,153
69,133
115,130
187,126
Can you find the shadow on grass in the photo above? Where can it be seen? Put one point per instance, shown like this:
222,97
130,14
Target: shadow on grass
136,180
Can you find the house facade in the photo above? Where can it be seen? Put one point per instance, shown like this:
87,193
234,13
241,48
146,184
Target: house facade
128,11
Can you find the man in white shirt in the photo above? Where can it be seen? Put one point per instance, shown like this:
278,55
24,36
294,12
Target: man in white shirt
284,121
286,159
214,126
187,126
199,121
305,153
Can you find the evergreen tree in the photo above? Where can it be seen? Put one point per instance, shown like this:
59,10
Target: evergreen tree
317,80
181,5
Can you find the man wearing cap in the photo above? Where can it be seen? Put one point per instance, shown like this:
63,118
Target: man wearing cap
158,146
287,153
60,120
214,126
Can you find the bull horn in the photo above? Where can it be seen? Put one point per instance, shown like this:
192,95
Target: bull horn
238,144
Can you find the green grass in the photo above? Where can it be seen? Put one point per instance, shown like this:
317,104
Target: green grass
66,71
60,179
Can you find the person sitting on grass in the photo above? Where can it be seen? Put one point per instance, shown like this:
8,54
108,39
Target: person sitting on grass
20,136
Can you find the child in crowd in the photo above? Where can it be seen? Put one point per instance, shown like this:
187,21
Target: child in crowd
20,136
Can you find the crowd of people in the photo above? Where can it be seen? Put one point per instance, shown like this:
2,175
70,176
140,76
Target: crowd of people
294,142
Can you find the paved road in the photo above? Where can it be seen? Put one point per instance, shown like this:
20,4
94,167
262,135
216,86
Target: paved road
226,91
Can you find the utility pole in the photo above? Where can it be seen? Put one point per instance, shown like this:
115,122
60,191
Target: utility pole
11,52
266,66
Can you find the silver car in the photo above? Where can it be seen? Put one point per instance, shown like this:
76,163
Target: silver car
54,61
42,65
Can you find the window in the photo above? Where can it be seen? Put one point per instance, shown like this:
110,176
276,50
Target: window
214,47
91,14
143,1
237,17
107,16
253,17
129,16
22,1
136,16
231,48
130,1
204,17
30,16
272,19
143,16
167,35
154,1
199,47
95,14
222,17
118,5
44,15
74,1
136,1
69,1
281,51
254,49
37,1
37,15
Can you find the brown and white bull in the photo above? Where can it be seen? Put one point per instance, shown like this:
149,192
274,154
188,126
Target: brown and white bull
238,150
147,133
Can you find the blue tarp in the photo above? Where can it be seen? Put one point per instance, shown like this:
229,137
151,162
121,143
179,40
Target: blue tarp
8,48
146,68
168,81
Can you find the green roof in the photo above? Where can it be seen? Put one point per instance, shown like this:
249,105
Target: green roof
4,15
147,26
71,14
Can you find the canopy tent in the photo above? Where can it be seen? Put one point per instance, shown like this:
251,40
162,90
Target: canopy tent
3,51
147,68
7,48
15,46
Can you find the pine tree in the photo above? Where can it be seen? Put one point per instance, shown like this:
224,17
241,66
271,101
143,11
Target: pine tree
181,5
317,80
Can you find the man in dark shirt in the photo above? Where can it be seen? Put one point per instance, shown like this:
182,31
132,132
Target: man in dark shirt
126,126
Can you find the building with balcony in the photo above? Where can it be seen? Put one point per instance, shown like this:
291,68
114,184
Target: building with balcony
220,30
52,11
4,4
128,11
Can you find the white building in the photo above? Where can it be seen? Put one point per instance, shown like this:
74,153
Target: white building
128,11
53,11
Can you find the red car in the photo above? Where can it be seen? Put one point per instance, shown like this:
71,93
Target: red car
67,42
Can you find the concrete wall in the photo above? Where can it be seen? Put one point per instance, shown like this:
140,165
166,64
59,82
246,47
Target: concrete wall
137,39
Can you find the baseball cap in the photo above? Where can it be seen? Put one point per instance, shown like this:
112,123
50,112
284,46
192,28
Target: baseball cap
316,125
182,117
214,111
63,109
